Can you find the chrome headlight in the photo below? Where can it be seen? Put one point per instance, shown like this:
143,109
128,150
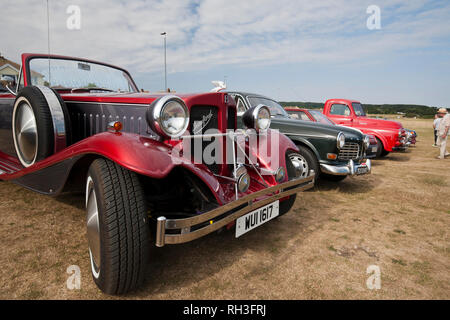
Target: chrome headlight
340,140
242,178
257,118
366,141
280,174
168,116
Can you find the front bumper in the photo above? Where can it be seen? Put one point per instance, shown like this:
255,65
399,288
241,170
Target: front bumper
225,214
350,169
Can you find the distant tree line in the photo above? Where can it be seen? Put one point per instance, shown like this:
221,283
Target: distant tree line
408,110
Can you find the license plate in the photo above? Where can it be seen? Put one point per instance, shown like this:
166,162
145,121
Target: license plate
362,170
256,218
374,149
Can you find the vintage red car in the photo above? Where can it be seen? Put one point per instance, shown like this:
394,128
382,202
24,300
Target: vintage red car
391,135
77,124
317,116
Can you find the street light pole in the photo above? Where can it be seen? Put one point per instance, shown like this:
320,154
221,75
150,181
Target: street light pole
165,61
48,44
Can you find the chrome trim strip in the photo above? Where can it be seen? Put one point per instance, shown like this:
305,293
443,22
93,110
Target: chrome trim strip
298,134
57,113
109,103
162,238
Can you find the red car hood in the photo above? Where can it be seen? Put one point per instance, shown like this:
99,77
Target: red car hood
379,123
133,98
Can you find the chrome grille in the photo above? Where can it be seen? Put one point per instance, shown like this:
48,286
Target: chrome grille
203,118
349,152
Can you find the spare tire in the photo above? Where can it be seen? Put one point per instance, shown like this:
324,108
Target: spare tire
40,124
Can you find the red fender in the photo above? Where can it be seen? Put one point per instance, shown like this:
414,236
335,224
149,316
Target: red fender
149,157
142,155
388,141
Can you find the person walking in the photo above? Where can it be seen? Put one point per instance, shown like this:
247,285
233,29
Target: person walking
443,132
437,120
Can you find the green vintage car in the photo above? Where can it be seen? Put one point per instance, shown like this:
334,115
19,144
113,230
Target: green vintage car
333,152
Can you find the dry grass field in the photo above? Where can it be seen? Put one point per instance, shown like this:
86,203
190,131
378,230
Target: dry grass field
397,218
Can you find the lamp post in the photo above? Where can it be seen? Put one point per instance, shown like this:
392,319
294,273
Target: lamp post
165,61
48,44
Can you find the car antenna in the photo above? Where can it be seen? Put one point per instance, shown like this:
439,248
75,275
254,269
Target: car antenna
48,44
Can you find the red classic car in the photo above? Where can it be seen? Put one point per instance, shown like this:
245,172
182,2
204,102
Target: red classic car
391,135
84,125
317,116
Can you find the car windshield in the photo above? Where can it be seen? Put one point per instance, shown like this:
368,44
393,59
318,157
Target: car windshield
275,108
74,74
320,117
359,110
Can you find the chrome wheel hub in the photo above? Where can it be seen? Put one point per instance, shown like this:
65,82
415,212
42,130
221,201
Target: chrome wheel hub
93,227
300,164
25,131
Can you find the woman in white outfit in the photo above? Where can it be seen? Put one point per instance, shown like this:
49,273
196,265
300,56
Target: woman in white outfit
443,132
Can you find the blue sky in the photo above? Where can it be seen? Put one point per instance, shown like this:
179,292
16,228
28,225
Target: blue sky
289,50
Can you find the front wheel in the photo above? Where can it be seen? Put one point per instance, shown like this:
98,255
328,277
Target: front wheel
117,227
381,152
297,166
286,205
304,161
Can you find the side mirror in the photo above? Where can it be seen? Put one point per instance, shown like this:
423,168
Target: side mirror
8,82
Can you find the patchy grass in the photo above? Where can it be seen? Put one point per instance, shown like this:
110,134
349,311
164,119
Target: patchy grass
397,218
435,181
399,261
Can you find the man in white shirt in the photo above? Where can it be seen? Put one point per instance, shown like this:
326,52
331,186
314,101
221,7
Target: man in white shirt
437,120
443,132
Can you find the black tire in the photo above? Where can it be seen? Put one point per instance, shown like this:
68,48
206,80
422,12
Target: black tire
384,153
381,152
331,177
67,121
44,125
124,234
286,205
35,99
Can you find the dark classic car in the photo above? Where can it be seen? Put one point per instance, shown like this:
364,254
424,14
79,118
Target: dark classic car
331,151
85,126
317,116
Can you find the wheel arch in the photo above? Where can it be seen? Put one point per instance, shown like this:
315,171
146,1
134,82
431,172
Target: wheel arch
380,137
305,143
76,179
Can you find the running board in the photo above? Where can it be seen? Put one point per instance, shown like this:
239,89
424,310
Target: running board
7,167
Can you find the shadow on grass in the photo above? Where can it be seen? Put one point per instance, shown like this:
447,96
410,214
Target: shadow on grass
362,184
397,157
74,199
